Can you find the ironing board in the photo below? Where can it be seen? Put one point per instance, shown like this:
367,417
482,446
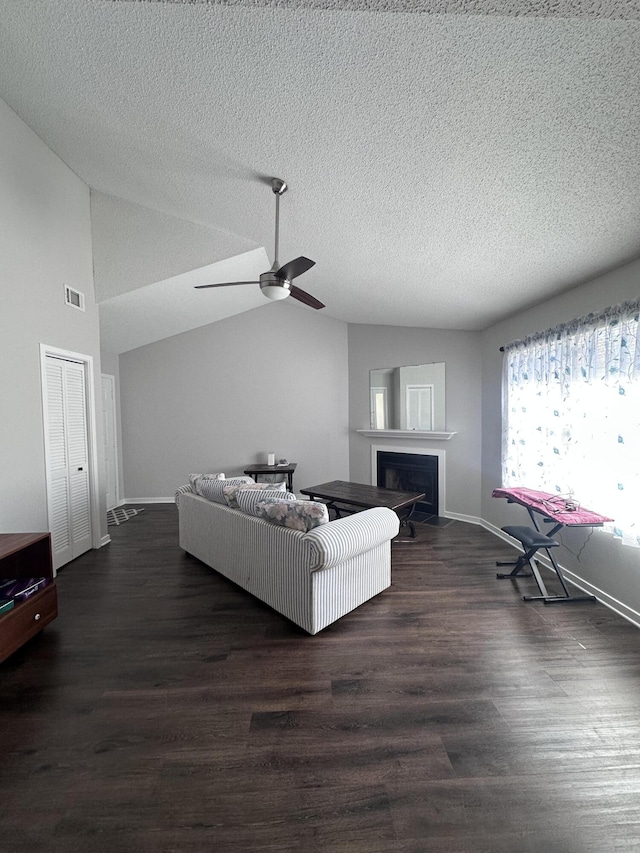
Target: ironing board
550,509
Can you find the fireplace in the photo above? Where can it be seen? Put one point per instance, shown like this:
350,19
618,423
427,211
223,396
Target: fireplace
410,472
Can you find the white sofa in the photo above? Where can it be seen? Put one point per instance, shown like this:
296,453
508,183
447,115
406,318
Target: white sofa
312,578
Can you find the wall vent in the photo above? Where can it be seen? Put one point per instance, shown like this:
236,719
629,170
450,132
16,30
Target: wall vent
74,298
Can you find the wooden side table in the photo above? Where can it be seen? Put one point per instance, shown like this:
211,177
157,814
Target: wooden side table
26,555
255,470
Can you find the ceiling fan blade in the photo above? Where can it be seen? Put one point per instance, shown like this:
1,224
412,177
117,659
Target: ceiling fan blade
224,284
294,268
307,298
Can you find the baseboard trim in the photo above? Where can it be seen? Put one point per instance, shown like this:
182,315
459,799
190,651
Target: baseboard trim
499,533
458,516
149,500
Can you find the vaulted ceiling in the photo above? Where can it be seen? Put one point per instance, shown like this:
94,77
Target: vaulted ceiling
449,163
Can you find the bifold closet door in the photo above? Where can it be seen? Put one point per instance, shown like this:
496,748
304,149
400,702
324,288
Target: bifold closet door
67,460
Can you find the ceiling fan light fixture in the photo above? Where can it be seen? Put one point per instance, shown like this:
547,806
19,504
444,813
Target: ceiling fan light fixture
275,291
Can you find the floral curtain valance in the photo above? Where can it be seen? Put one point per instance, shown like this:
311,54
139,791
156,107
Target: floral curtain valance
603,347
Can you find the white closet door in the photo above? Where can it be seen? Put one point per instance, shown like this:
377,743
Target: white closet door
57,467
67,460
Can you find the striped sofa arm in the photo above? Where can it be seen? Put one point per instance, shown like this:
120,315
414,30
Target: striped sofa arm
343,538
183,490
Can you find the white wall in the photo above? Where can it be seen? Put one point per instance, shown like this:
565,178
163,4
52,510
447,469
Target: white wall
372,347
222,396
45,242
134,246
604,563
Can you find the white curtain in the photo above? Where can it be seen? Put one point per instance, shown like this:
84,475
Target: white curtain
571,418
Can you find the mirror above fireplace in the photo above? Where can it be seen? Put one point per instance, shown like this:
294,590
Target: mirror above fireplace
408,398
407,402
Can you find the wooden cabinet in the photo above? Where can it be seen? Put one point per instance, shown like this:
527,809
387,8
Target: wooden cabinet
26,555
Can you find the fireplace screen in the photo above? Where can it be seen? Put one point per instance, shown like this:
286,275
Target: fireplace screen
410,472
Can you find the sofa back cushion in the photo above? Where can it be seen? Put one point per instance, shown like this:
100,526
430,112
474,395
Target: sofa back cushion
248,498
231,490
213,490
297,515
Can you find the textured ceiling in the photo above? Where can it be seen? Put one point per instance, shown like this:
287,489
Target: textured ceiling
445,170
619,9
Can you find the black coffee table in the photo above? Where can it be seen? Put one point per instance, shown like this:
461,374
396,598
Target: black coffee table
344,497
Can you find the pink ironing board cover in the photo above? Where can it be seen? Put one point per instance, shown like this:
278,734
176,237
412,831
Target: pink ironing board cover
551,505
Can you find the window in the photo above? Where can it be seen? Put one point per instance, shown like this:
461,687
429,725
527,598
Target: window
571,421
379,414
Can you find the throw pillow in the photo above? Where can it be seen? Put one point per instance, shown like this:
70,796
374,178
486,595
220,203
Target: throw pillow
230,492
249,498
195,480
297,515
212,490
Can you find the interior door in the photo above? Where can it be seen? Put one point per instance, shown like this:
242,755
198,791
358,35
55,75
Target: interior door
379,416
67,459
110,439
420,407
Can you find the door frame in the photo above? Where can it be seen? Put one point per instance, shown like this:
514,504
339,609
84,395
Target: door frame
112,380
92,443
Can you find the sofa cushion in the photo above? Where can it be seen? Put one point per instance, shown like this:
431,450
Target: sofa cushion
298,515
195,480
230,492
213,490
248,498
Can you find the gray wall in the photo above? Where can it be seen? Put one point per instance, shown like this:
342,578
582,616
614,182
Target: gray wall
373,347
223,396
45,242
604,563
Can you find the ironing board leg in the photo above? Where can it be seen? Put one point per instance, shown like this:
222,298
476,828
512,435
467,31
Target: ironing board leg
554,599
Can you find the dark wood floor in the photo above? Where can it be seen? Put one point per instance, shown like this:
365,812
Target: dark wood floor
167,711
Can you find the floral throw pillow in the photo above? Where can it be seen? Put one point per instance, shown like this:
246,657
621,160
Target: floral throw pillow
213,490
248,498
196,479
297,515
230,492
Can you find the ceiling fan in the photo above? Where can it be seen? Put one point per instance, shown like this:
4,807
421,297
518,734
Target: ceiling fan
276,283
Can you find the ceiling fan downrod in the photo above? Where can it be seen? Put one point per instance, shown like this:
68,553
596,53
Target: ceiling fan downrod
279,187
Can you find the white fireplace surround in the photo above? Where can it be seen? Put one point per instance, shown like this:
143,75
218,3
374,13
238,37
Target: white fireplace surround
419,451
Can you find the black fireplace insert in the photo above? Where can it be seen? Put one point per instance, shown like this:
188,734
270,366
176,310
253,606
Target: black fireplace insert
410,472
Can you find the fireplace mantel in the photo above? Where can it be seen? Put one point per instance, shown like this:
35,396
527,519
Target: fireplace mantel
405,433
